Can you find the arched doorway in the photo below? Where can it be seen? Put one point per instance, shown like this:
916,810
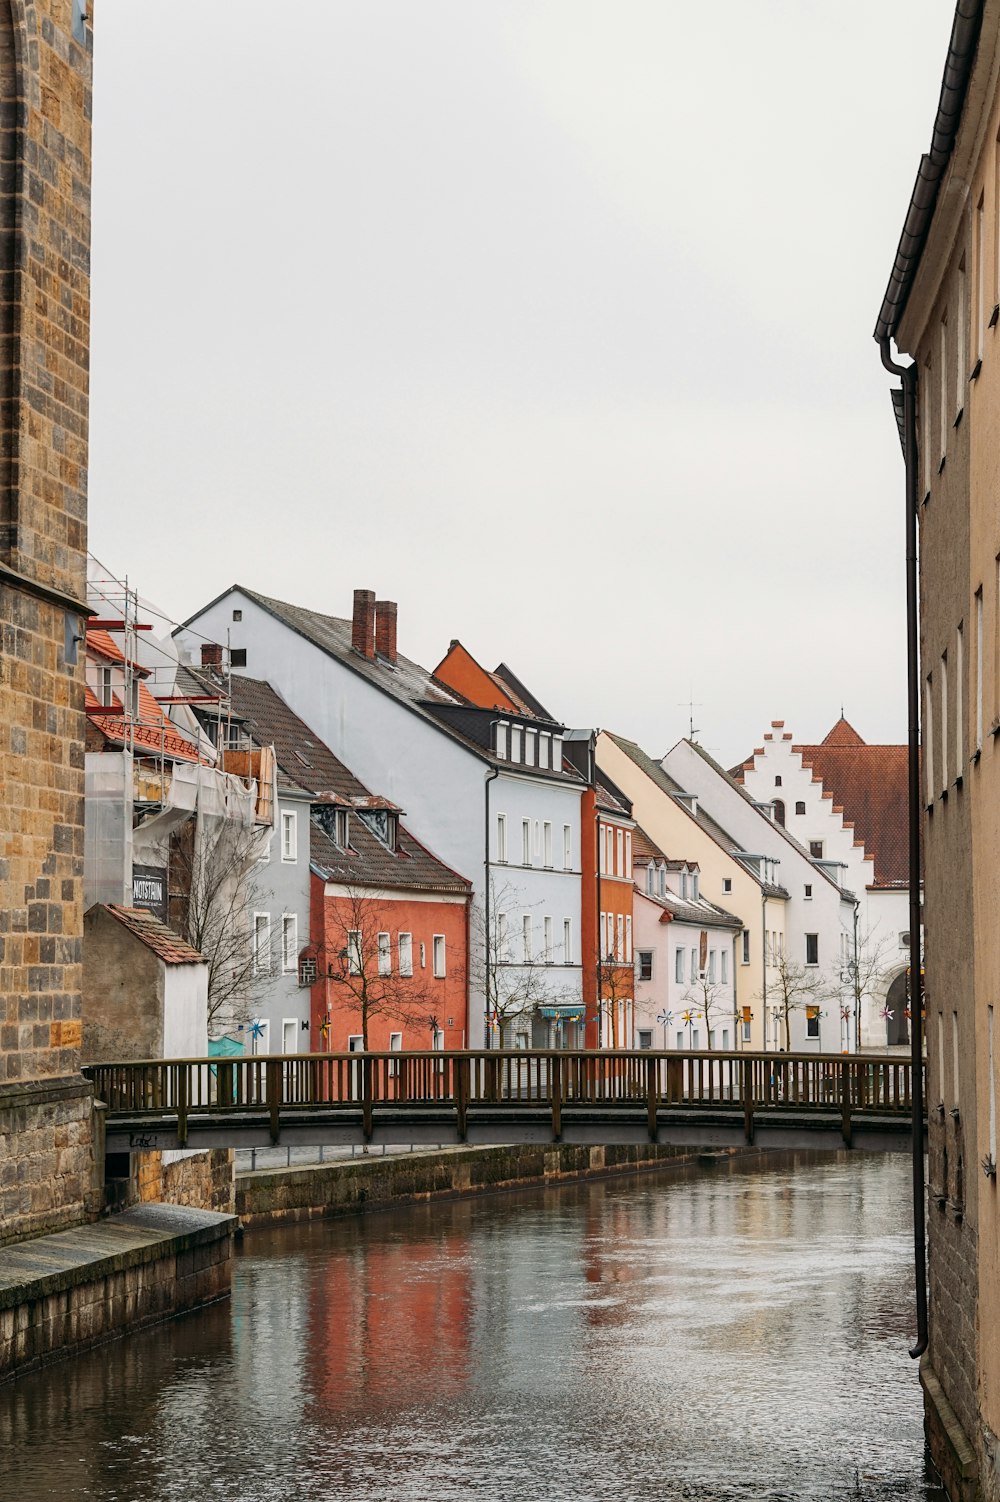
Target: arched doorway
897,1027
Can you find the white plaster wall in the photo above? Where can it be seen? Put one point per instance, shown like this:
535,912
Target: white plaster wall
185,1011
439,785
665,994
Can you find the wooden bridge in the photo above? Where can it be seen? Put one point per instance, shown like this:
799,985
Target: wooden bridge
688,1099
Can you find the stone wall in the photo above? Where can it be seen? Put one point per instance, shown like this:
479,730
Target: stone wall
45,113
50,1175
60,1294
204,1181
352,1185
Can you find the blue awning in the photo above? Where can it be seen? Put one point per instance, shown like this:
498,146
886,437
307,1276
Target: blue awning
566,1011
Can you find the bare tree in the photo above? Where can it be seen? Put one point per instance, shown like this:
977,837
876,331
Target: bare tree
358,962
863,972
798,988
512,975
215,890
705,998
615,984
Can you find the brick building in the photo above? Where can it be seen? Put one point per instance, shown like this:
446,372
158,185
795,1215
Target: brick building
45,1112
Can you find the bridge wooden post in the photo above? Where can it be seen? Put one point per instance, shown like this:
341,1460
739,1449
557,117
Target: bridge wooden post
652,1096
366,1097
845,1102
182,1103
555,1093
224,1083
746,1089
273,1089
675,1081
462,1083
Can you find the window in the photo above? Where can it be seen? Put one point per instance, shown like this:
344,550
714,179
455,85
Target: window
816,849
567,941
711,1037
384,954
405,947
525,842
354,951
501,740
746,946
980,275
961,355
567,848
628,855
924,403
645,958
557,753
628,938
650,879
727,885
356,1043
927,739
288,836
620,939
515,743
954,1056
777,780
800,806
237,615
694,1037
547,939
694,965
238,657
808,891
308,971
959,708
695,884
684,886
778,809
620,848
526,947
724,961
993,1085
645,1038
812,949
261,943
602,854
289,1034
502,938
943,381
662,875
107,692
289,941
439,956
979,644
423,956
747,1019
711,967
530,739
725,1040
544,748
812,1022
679,965
502,839
547,845
680,1040
395,1046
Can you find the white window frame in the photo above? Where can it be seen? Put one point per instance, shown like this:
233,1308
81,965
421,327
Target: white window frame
501,740
501,839
547,845
404,949
515,743
289,949
440,956
525,842
812,964
959,705
567,847
544,750
262,949
620,851
355,958
530,747
289,836
979,646
628,938
384,953
526,939
294,1024
355,1043
395,1046
547,939
724,967
679,962
567,941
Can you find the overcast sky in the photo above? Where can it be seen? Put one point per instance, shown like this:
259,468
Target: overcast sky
550,320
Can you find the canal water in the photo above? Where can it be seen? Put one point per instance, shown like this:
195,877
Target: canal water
734,1335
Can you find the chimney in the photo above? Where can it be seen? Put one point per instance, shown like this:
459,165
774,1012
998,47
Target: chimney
211,655
385,629
363,623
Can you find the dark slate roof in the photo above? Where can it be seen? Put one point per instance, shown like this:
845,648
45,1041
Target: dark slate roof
309,766
673,789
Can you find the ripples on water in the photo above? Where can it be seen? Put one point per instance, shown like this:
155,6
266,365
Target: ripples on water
726,1338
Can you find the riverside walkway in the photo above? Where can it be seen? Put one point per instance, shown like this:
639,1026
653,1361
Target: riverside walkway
686,1099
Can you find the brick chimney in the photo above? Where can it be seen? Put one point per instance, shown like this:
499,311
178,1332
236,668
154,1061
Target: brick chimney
385,629
211,654
363,623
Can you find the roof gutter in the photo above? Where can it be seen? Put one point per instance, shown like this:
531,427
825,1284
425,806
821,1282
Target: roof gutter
957,71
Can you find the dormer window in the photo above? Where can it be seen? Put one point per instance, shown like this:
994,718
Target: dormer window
515,743
502,728
383,823
544,749
663,881
650,876
107,693
557,753
684,886
694,885
530,739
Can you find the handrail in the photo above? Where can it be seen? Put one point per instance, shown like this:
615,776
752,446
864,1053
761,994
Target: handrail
276,1085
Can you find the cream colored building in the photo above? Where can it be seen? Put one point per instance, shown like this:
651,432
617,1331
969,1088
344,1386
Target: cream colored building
740,881
941,310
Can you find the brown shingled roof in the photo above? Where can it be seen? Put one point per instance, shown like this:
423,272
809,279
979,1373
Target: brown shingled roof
869,784
170,947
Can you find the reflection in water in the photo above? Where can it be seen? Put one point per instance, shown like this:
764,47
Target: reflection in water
733,1336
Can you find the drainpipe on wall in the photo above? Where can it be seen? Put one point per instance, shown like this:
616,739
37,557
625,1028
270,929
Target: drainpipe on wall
908,377
487,939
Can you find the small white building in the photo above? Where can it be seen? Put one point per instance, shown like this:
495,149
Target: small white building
687,959
845,802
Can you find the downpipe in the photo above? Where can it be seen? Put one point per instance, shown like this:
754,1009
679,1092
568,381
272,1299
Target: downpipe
908,376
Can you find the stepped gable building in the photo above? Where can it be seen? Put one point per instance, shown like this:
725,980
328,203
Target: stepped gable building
494,795
45,114
343,863
845,802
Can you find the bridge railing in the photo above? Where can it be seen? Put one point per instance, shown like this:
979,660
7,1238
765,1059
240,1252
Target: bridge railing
287,1084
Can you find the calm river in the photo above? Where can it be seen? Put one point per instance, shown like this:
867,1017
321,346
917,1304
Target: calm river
731,1336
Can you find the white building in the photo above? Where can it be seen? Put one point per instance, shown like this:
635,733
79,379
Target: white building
811,979
845,802
687,959
491,795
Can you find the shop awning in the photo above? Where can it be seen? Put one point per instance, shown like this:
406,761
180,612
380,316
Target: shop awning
567,1011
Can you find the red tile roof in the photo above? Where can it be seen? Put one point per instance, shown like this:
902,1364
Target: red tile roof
152,732
102,644
170,947
869,784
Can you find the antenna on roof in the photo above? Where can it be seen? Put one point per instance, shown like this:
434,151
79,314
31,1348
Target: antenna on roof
690,705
